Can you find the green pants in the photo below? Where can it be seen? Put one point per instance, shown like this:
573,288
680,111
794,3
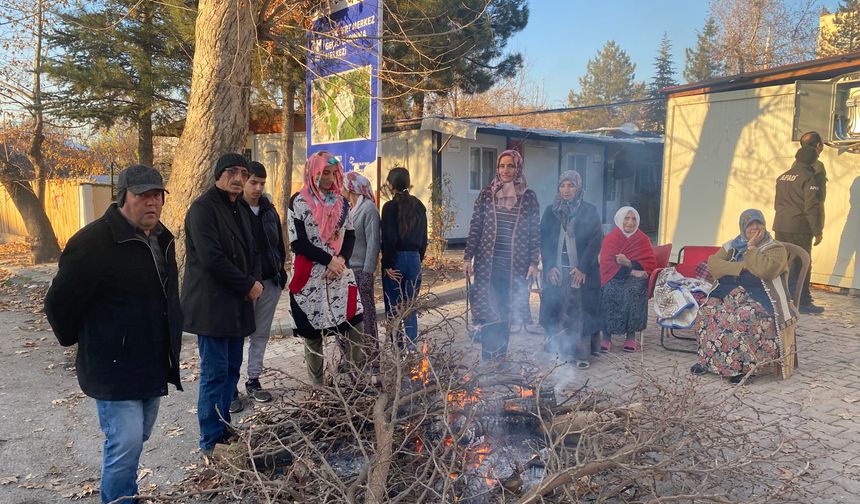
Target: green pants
315,358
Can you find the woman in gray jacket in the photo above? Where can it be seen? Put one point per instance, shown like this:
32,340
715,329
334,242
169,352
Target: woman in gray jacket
365,254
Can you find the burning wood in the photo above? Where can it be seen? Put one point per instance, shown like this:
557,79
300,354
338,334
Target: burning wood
441,429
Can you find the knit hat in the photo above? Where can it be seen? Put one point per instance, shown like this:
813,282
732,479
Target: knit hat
228,160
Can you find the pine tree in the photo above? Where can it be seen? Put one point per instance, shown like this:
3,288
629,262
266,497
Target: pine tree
844,36
703,61
610,78
433,47
124,61
664,76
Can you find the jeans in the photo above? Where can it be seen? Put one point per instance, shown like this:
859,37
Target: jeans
405,291
264,312
220,362
126,426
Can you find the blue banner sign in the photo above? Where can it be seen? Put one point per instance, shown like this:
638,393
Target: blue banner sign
342,83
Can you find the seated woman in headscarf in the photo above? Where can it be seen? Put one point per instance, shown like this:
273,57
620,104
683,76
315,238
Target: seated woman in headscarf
749,318
626,261
571,234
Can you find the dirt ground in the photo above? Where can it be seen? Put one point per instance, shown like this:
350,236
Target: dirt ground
49,434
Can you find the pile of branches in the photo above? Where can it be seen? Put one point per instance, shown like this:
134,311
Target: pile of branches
422,426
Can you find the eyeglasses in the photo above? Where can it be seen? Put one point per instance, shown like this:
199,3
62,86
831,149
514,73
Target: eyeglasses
237,171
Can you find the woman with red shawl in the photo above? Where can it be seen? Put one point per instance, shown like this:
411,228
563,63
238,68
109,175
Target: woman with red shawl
323,294
626,261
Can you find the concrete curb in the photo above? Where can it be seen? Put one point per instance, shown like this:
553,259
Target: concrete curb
450,292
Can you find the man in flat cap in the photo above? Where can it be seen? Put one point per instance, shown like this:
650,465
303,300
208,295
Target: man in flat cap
116,295
222,281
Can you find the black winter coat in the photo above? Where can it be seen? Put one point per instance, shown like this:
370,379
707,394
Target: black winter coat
589,237
274,254
108,298
221,266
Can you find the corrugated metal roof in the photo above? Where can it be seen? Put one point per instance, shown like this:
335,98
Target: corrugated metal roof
448,125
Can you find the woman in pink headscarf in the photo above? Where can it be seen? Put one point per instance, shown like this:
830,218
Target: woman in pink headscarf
502,251
323,293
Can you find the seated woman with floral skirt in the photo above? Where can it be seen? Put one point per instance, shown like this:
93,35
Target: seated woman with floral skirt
749,319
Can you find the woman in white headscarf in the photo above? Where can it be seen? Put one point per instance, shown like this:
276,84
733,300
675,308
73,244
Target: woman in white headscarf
626,261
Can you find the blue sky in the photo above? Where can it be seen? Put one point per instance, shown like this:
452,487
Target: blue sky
562,35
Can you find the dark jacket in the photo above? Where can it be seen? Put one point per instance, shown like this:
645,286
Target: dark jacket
221,266
799,197
108,298
589,237
270,242
480,246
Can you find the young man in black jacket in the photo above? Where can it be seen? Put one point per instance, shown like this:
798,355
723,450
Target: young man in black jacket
222,272
266,226
116,295
799,203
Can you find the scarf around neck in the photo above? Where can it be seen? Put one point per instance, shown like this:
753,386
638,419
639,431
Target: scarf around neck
740,244
506,194
327,208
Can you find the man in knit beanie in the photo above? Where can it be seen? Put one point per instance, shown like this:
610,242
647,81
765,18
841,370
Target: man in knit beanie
222,281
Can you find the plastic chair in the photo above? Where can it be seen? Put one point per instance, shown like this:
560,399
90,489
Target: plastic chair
795,253
689,258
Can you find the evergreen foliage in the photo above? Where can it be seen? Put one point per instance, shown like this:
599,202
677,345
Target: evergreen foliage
664,76
434,46
610,78
844,36
703,61
124,61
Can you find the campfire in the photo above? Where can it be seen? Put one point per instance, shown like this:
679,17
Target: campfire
434,426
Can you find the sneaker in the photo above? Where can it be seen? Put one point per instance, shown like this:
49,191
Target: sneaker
605,346
698,369
255,391
630,345
734,380
583,364
811,308
236,405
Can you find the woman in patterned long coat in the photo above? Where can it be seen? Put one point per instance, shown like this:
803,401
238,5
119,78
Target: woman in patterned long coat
323,294
502,250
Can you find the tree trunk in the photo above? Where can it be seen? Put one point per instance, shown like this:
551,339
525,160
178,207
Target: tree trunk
218,104
43,241
288,140
144,139
417,105
145,91
31,205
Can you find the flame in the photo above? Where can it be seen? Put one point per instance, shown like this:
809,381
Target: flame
448,441
525,391
419,446
422,371
460,398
